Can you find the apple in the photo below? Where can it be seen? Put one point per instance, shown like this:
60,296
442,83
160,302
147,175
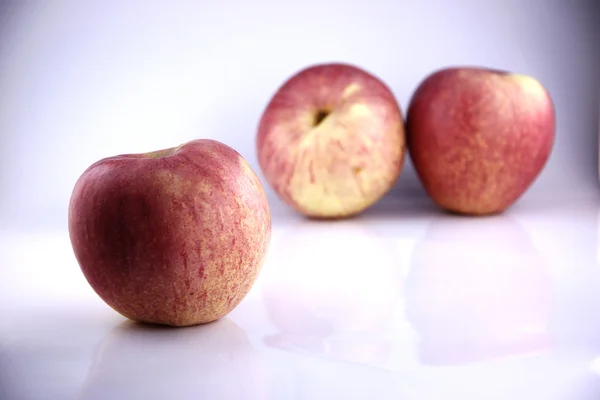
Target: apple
478,290
331,141
479,137
174,237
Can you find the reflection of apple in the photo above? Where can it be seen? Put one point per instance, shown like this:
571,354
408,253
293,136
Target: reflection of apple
332,289
211,361
478,290
331,140
174,237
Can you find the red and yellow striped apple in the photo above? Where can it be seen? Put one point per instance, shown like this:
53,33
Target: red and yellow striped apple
478,138
174,237
331,141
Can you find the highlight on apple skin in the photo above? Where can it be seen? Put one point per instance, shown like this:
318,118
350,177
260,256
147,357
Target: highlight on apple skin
331,141
478,137
173,237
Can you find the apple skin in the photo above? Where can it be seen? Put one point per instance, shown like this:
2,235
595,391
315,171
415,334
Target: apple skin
340,166
478,137
174,237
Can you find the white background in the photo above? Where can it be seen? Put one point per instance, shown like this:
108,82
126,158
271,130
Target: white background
83,80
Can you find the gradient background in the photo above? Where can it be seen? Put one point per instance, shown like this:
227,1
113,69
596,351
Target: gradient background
82,80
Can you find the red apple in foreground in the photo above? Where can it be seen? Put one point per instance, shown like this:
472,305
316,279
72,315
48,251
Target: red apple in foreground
174,237
331,141
478,138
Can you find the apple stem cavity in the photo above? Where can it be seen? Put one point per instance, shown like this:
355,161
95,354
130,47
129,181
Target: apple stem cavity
320,117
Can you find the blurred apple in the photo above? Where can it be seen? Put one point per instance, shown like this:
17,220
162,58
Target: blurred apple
331,140
478,290
332,290
211,361
478,138
174,237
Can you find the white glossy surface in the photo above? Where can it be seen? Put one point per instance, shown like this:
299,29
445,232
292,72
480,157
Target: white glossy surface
418,306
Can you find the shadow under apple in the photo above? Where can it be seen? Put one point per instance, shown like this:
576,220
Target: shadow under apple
211,361
332,291
478,290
